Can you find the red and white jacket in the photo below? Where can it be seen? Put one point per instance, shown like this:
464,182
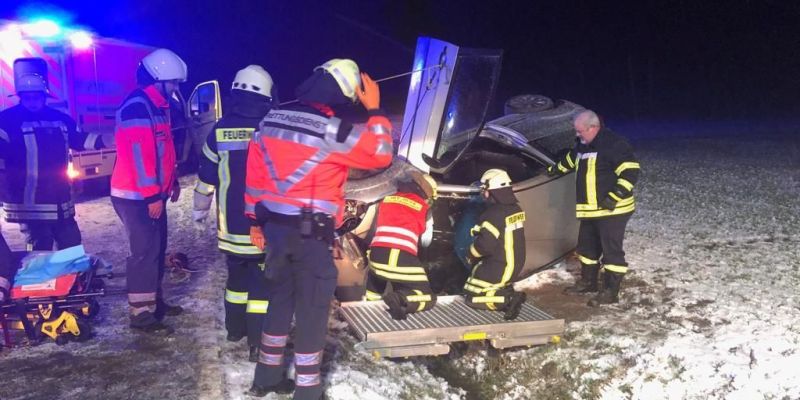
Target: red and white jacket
145,167
401,220
301,156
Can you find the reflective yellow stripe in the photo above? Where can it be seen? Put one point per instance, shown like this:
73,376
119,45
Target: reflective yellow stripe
489,300
257,306
401,277
421,298
235,297
204,188
591,181
239,248
397,269
210,154
403,201
624,183
491,228
562,168
224,184
394,254
509,254
628,201
480,283
372,296
240,239
490,295
620,269
605,213
626,165
570,161
615,197
587,260
474,231
473,289
474,252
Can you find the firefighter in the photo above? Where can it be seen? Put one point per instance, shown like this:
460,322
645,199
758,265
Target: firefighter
223,168
393,250
144,177
296,169
7,270
606,172
497,253
39,192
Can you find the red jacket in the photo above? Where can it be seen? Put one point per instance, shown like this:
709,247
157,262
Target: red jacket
401,220
300,157
145,167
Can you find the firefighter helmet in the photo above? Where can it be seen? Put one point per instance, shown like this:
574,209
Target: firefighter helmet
253,78
426,183
495,179
31,83
346,74
164,65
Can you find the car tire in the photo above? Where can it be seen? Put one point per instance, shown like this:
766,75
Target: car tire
371,189
527,103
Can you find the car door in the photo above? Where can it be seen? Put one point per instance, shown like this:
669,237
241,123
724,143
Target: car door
205,109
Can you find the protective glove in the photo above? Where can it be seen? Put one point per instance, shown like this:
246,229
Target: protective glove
370,94
608,203
199,219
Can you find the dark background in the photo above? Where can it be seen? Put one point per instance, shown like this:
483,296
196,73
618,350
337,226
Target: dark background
643,60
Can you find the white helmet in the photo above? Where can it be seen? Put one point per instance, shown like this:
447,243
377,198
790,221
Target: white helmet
30,83
495,179
346,74
164,65
254,79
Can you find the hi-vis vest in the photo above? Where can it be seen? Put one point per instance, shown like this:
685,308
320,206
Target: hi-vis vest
223,167
606,167
300,158
401,220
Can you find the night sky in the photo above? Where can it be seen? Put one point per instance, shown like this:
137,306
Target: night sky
657,60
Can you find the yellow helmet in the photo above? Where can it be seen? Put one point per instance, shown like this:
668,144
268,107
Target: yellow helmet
426,183
346,74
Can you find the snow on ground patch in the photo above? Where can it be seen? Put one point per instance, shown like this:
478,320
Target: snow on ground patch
557,275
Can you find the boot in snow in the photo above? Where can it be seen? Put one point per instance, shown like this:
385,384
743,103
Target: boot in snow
610,293
588,282
147,323
285,386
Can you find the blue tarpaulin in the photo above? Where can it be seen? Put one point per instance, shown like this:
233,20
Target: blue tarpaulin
44,266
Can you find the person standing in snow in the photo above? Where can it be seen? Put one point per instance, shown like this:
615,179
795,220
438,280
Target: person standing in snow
37,139
497,253
297,166
144,177
606,172
222,169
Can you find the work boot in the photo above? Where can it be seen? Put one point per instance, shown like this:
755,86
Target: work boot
147,323
234,337
588,282
164,309
253,354
285,386
515,302
610,293
397,305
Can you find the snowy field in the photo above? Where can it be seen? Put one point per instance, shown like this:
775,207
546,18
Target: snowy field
709,310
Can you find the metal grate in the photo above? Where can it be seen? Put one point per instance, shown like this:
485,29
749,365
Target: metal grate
450,311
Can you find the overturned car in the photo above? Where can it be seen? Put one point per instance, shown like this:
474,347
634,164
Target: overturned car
444,132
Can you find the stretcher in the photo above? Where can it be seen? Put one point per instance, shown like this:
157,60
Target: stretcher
451,320
54,296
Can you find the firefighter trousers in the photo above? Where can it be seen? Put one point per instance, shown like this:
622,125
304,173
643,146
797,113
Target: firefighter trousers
301,279
245,297
601,238
148,246
40,235
486,289
406,275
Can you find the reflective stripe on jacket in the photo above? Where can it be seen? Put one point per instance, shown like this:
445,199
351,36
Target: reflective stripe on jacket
145,167
300,157
606,168
401,220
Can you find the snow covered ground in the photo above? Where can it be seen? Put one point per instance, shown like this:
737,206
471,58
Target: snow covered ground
708,311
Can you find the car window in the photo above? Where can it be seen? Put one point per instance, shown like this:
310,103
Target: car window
484,154
471,90
555,144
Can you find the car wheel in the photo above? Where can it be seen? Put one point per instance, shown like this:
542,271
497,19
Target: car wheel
527,103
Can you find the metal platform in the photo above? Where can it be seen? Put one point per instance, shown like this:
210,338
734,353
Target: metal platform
431,332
